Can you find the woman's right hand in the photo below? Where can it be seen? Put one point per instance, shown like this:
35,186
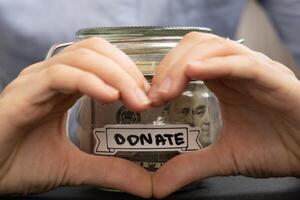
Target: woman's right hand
36,154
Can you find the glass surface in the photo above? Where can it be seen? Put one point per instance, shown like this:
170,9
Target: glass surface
196,107
190,122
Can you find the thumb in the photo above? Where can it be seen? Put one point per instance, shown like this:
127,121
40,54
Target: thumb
189,167
108,172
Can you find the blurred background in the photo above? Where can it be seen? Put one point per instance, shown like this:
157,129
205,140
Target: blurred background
29,28
259,34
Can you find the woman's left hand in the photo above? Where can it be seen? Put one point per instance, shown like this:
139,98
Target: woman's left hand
260,106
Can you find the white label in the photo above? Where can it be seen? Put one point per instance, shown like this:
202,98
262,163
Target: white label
114,138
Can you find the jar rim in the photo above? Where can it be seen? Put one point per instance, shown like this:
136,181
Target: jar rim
138,33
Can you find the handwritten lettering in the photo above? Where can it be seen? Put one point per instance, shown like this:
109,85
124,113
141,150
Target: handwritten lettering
147,139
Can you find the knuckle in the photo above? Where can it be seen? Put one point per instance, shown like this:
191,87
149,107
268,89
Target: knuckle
220,44
261,54
95,41
83,52
193,35
53,72
264,58
272,62
290,72
29,69
53,69
82,55
252,61
25,71
218,41
282,67
253,66
198,36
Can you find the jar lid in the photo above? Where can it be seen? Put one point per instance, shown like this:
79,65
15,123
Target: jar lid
140,39
138,33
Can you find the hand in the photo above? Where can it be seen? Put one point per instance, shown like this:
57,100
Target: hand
260,106
36,154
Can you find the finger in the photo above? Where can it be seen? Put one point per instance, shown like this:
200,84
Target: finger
232,67
103,47
190,167
188,41
33,93
79,81
268,84
175,79
109,172
111,73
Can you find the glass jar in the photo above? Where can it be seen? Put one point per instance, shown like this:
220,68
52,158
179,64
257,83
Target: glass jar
150,138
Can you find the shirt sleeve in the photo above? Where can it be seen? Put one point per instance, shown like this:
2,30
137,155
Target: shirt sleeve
285,16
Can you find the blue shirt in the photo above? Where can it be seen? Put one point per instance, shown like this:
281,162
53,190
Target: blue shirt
28,28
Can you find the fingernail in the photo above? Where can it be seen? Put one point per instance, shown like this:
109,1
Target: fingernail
153,92
166,85
146,85
154,96
141,96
